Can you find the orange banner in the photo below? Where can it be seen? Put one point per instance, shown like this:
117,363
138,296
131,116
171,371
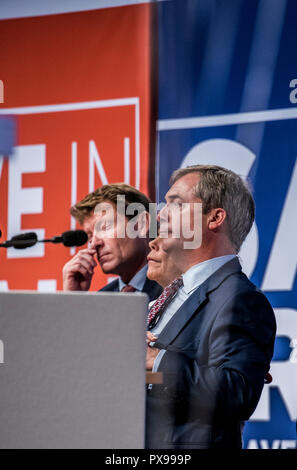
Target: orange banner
79,85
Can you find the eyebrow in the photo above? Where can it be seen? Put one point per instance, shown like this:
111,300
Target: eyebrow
171,197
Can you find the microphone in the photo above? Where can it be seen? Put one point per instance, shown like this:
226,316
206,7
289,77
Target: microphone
25,240
74,238
70,238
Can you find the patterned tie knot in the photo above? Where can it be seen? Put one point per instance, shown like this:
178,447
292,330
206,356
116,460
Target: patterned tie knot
174,285
128,288
162,301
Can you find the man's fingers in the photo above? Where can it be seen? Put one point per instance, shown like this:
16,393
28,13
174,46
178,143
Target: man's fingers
86,253
90,259
89,251
84,272
85,264
150,337
82,257
81,265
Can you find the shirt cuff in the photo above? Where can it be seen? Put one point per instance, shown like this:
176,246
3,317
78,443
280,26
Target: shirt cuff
158,360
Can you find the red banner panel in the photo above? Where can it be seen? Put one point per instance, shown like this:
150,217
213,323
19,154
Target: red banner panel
79,85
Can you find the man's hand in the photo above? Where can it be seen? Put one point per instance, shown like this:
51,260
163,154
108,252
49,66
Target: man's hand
151,352
78,272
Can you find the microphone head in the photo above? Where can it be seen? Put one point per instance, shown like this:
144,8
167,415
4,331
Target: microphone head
24,240
74,238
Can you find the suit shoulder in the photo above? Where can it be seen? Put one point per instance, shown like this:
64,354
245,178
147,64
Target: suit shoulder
246,286
244,297
238,293
239,284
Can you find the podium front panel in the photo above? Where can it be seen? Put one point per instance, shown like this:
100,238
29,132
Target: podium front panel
72,371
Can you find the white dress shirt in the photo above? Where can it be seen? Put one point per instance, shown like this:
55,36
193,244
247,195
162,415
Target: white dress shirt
137,281
192,279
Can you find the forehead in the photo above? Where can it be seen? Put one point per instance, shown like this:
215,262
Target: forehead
102,210
183,187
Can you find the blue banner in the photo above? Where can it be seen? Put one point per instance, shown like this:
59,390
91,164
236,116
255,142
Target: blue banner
227,96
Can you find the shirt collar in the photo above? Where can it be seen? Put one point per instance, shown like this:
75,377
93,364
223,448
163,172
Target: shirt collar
137,281
197,274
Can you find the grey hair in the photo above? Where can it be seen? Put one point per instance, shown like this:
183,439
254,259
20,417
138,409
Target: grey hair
220,187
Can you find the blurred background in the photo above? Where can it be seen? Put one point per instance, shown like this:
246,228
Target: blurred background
95,92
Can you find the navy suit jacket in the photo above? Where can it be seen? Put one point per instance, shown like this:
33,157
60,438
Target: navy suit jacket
219,345
151,288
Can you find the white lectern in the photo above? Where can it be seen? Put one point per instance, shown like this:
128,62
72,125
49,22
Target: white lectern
73,371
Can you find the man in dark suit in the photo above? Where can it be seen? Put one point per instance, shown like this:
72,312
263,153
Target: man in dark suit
118,248
213,341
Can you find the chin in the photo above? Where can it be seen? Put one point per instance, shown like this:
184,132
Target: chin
153,275
150,274
108,268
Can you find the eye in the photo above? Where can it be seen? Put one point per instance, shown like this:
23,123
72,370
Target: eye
98,226
176,205
108,225
104,226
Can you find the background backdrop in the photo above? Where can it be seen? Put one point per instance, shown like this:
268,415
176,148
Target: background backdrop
82,85
79,85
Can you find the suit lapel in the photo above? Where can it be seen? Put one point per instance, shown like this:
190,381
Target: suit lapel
181,317
113,286
194,302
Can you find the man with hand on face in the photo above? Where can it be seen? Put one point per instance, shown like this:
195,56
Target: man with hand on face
211,332
106,224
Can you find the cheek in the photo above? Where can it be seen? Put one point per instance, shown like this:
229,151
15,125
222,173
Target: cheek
112,247
124,248
171,245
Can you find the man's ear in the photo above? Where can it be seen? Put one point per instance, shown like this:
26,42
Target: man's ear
143,222
216,218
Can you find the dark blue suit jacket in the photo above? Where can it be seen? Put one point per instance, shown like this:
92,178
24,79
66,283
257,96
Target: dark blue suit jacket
218,349
151,288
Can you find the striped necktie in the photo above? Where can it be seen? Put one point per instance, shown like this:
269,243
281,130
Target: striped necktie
162,301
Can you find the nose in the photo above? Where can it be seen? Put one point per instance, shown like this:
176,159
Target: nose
154,244
95,241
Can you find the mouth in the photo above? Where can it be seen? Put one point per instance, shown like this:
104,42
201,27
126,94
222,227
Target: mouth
102,257
152,260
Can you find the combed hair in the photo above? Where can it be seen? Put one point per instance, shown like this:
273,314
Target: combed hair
220,187
108,192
